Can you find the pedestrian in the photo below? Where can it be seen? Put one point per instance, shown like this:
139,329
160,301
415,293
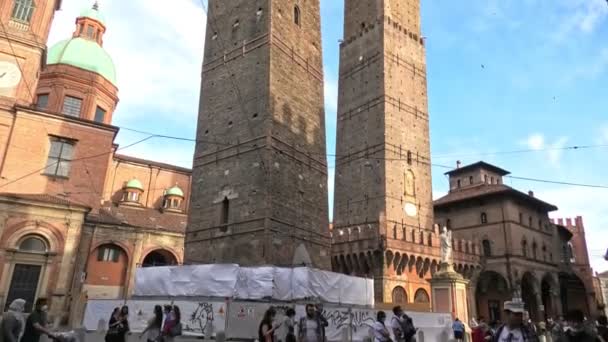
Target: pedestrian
36,323
575,328
458,328
602,327
312,326
266,330
154,325
397,324
118,327
173,325
286,327
514,330
12,323
381,333
322,320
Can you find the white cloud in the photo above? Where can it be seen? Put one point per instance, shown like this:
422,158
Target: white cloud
554,150
581,16
535,141
157,47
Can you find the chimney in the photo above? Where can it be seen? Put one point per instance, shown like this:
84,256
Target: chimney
531,193
458,163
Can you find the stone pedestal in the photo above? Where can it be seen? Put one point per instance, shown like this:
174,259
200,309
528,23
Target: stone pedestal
449,291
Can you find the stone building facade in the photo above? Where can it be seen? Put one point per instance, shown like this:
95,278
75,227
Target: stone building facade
523,253
259,193
77,219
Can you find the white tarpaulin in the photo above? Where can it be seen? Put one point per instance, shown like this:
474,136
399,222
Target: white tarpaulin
232,281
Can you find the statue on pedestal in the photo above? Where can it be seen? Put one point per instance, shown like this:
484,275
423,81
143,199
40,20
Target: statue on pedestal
446,246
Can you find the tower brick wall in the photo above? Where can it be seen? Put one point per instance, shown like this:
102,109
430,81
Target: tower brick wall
383,174
259,190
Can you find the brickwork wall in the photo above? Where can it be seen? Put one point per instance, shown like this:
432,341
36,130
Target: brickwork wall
262,101
59,81
27,44
383,176
28,151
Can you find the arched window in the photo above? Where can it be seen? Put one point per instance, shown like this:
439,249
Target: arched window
399,295
172,203
484,218
33,244
534,248
421,296
448,224
23,10
410,186
395,232
487,248
296,15
524,248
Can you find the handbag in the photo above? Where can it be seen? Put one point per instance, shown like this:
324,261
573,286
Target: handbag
176,330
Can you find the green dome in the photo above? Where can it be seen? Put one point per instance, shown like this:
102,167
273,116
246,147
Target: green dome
94,14
174,191
134,184
85,54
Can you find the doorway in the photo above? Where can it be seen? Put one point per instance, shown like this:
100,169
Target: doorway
24,284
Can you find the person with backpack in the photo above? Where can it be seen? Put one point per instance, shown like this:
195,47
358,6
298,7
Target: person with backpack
402,326
286,327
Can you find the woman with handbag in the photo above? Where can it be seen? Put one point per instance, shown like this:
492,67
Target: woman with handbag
118,325
173,325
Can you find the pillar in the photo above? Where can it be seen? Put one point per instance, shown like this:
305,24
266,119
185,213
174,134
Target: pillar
450,293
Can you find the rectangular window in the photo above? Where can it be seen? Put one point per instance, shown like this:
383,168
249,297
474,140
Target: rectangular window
23,10
90,31
100,114
71,106
60,157
43,101
108,254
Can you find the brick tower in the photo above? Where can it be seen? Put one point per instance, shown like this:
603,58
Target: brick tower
383,197
24,29
259,191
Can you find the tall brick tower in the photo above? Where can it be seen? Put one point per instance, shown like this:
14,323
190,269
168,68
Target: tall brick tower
383,176
259,188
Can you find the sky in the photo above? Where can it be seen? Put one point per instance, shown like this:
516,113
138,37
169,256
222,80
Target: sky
503,76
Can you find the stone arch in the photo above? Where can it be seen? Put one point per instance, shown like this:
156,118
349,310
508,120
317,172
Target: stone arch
530,294
426,267
573,293
396,260
18,231
389,258
108,265
365,267
343,264
433,267
419,266
159,257
421,296
402,264
399,295
491,291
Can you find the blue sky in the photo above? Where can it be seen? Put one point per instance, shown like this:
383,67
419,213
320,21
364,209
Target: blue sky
503,75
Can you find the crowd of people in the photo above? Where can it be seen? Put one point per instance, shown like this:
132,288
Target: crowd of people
16,328
311,327
164,325
574,327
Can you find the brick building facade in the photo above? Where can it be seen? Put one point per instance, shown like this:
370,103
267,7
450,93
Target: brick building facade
77,219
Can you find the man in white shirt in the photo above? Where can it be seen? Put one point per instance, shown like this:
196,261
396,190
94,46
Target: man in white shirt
380,331
515,330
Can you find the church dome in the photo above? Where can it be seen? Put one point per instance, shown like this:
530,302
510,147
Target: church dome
84,50
175,191
134,184
85,54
